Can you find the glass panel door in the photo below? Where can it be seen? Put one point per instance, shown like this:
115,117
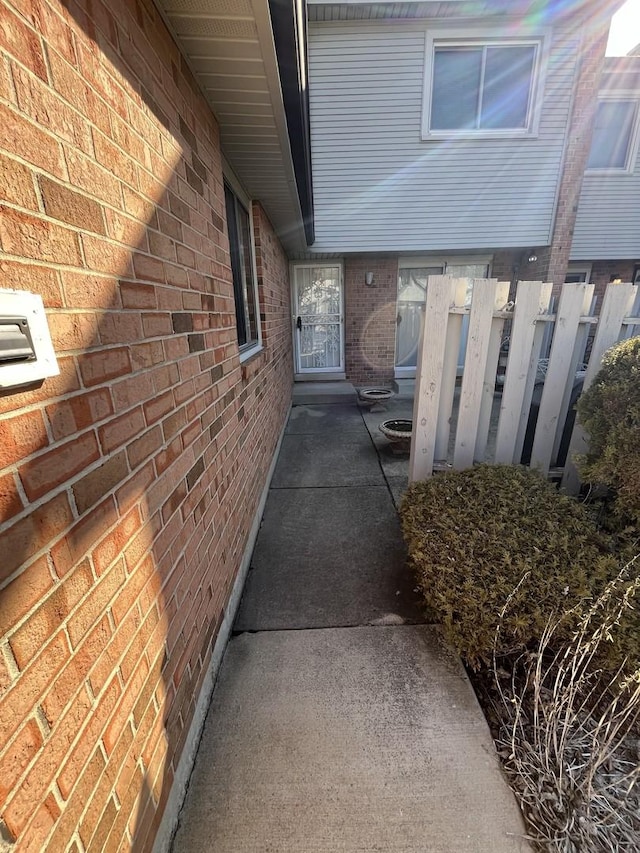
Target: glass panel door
412,295
318,319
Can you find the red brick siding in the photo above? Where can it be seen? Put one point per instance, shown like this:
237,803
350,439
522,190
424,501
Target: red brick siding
370,319
128,484
602,272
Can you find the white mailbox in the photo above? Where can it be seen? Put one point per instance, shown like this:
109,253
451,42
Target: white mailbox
26,352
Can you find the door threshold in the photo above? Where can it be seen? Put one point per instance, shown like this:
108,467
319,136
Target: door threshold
319,377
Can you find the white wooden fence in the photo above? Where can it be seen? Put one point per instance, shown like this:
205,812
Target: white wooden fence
479,401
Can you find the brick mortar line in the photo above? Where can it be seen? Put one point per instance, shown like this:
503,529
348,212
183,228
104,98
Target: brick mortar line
95,698
74,742
55,539
66,143
93,466
66,487
87,389
128,95
112,241
105,456
225,529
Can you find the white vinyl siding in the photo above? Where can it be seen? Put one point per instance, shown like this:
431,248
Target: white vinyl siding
379,187
608,220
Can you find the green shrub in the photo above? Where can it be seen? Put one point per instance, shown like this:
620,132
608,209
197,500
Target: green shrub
475,536
610,413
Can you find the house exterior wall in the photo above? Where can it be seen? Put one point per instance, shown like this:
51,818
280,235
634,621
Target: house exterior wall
370,319
129,483
379,187
608,216
371,313
603,272
609,206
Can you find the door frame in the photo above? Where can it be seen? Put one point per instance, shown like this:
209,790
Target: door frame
321,374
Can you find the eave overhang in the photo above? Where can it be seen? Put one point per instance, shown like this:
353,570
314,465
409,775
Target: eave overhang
237,56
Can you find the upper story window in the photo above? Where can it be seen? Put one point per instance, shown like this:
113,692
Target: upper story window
614,135
243,271
481,86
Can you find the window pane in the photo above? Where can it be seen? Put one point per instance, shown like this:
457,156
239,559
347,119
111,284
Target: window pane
507,86
456,82
612,135
242,270
412,292
412,283
236,263
249,290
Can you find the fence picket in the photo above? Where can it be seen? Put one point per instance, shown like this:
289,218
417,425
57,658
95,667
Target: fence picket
532,299
449,372
441,294
574,301
618,303
576,361
531,324
483,305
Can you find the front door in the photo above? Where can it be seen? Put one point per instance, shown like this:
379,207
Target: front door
318,320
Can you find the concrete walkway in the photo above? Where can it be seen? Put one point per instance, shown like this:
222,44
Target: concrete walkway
339,721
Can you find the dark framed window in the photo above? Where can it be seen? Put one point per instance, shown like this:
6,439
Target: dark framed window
577,275
614,133
242,269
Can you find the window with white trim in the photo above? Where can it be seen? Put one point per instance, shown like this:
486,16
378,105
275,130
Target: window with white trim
614,134
481,86
578,274
242,268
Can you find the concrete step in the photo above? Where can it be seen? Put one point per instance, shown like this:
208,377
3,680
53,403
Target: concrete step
404,387
310,393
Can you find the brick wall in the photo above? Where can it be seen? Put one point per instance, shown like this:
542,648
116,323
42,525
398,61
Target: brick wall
370,320
602,272
128,484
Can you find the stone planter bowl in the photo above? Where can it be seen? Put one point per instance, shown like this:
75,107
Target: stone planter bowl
398,431
375,398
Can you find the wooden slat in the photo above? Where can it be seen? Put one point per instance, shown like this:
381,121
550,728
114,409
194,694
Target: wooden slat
450,369
449,375
532,299
483,304
618,302
529,388
441,293
577,359
572,304
489,383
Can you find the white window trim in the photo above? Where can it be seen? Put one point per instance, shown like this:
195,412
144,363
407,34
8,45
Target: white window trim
481,37
634,141
572,269
249,350
417,261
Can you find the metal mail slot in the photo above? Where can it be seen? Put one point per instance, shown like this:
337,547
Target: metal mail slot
16,343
